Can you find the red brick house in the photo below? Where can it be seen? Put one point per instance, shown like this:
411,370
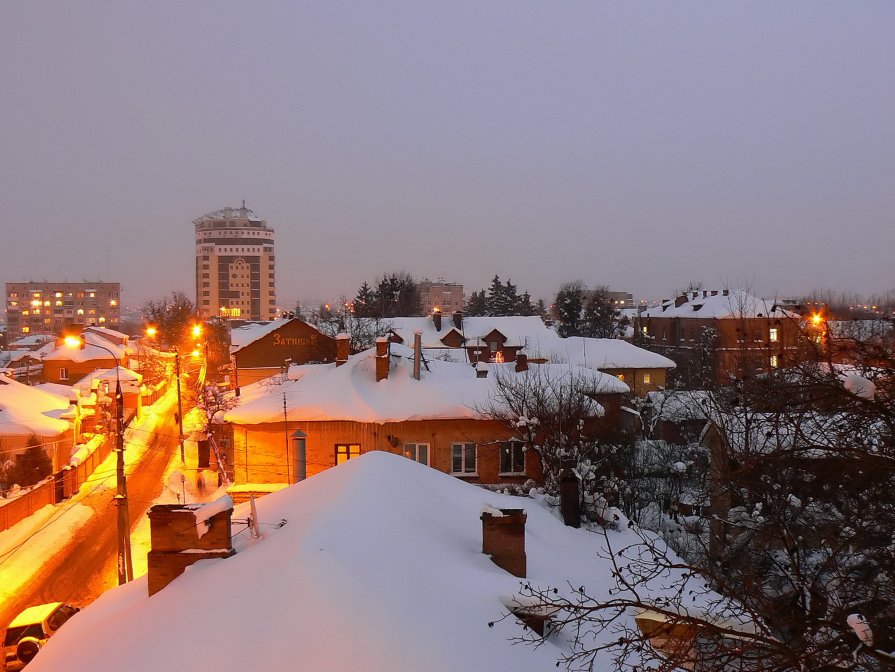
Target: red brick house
261,350
721,334
327,414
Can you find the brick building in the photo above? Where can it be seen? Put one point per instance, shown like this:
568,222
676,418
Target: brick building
327,414
235,275
720,335
446,297
49,307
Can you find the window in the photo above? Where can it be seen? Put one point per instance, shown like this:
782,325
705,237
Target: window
647,379
775,362
512,457
345,451
63,373
418,452
773,335
463,458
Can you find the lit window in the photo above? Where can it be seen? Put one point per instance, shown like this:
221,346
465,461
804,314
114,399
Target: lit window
25,330
80,311
463,458
647,379
775,362
512,457
773,335
59,303
621,377
58,295
113,302
345,451
418,452
644,331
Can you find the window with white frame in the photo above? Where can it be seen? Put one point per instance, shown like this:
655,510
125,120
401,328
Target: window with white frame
512,457
463,458
63,373
773,335
418,452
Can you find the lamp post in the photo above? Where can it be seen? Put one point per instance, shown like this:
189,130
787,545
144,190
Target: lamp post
179,406
125,562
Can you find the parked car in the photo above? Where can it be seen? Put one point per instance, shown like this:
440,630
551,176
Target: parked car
30,630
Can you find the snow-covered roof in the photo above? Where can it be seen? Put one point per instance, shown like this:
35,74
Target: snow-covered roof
680,405
517,330
608,353
229,213
378,567
31,340
537,339
95,348
735,303
29,410
350,392
130,380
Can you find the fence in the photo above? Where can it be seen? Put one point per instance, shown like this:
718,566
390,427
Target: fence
61,486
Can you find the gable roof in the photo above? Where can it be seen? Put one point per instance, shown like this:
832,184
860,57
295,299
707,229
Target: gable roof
243,336
377,567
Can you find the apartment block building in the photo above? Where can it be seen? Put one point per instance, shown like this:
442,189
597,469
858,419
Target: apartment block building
235,275
48,307
447,297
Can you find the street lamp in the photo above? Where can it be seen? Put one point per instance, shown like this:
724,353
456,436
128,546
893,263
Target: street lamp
125,562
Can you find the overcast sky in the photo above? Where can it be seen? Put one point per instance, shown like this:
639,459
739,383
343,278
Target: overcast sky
630,144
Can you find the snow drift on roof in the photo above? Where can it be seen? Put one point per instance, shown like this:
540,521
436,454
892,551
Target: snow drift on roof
29,410
736,304
350,392
378,568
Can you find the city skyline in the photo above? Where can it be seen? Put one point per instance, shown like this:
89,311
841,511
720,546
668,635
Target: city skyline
642,149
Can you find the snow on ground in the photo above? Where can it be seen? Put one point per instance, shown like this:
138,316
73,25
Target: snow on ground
378,567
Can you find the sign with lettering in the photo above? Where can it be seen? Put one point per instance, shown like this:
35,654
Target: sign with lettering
280,340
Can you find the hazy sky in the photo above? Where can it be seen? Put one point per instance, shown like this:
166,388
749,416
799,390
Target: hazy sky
640,145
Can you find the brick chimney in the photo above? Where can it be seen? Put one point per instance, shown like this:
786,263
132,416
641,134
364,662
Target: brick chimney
503,538
183,534
381,358
680,301
521,362
458,320
343,347
436,319
481,370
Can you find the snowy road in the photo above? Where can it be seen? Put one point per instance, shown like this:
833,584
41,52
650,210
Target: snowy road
86,566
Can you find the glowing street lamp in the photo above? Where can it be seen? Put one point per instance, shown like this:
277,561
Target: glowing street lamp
151,331
125,563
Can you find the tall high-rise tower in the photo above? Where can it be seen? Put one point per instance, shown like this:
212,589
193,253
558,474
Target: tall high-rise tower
235,265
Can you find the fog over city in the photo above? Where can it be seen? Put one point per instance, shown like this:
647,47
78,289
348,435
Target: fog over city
639,146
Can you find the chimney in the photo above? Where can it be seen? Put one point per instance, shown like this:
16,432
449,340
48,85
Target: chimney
183,534
417,352
714,292
503,538
436,319
521,362
680,301
481,370
705,293
381,358
726,292
343,343
458,320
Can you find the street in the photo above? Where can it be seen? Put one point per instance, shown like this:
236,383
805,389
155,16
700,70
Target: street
87,565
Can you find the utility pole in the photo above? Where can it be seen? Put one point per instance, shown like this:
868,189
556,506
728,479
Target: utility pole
286,436
125,562
179,406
